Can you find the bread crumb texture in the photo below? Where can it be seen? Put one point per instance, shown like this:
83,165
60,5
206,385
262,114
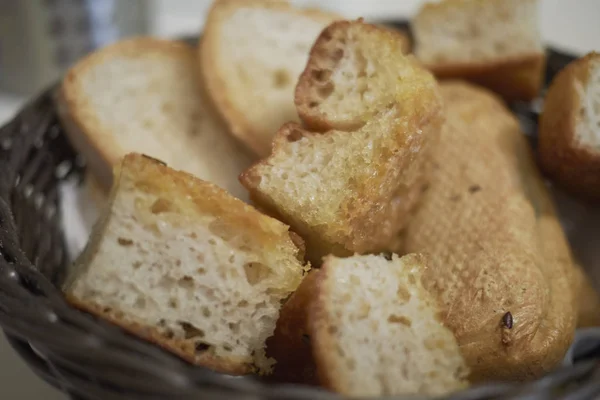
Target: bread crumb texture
376,330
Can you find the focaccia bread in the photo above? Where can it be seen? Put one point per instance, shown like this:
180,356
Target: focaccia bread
500,264
346,181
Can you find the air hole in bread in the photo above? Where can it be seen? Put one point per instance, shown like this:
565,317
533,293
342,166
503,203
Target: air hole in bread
212,242
403,294
200,258
234,327
169,334
332,329
313,104
201,347
325,90
173,303
137,264
161,205
228,348
243,304
190,331
294,135
399,319
321,75
281,79
187,282
124,242
256,272
206,312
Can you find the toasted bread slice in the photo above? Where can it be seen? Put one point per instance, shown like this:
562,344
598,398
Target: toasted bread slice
255,51
500,263
373,329
495,43
178,261
143,95
569,135
349,189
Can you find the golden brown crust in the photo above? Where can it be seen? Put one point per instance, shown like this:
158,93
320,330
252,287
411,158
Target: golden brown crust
519,78
570,164
495,244
216,88
83,129
290,345
185,349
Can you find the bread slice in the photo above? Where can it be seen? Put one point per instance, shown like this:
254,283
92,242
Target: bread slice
373,329
495,43
179,262
255,51
347,186
500,264
569,134
143,95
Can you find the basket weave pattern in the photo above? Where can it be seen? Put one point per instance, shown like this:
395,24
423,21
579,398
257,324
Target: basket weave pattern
91,359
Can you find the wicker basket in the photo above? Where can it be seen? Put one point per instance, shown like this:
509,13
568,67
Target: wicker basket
90,359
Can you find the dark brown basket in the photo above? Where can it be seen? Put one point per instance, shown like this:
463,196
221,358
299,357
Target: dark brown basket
91,359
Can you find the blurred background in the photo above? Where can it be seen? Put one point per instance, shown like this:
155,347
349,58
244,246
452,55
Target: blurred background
40,39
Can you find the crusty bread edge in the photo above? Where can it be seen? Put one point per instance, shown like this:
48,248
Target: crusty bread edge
215,87
573,167
178,347
502,71
98,147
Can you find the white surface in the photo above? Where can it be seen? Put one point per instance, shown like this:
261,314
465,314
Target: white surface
570,25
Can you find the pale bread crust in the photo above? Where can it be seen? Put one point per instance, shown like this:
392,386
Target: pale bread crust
495,243
211,199
236,119
570,164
